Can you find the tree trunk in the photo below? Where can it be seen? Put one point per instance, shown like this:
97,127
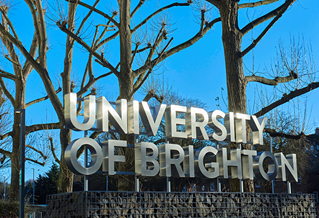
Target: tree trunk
65,176
236,82
65,183
15,159
15,156
126,81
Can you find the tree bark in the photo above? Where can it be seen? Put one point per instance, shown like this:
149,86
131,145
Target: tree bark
15,156
236,82
65,176
126,81
65,183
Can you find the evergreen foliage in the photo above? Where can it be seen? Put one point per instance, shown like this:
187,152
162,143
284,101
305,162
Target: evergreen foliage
46,185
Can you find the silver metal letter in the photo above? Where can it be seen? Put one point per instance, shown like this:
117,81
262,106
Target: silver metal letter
234,163
171,121
230,126
143,157
71,159
290,164
151,126
188,163
272,166
133,121
166,161
209,170
104,109
257,126
247,163
220,133
240,123
192,125
110,157
70,112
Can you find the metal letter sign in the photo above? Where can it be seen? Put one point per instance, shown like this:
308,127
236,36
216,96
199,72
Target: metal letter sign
171,159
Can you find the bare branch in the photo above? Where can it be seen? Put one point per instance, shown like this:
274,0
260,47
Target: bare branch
35,161
9,46
272,82
42,99
8,75
43,34
139,5
45,126
4,14
12,61
159,38
34,17
277,12
93,80
95,10
88,48
5,135
94,135
179,47
103,42
143,49
6,92
27,68
287,98
151,94
89,68
103,33
216,3
274,133
38,151
256,4
140,80
158,11
134,53
4,152
159,141
86,17
53,150
41,71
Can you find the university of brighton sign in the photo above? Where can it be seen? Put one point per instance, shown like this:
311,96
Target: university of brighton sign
151,160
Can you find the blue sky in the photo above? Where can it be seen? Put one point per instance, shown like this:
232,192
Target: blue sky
197,72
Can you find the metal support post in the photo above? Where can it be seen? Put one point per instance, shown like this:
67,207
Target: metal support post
168,184
137,179
219,184
288,187
241,182
241,185
168,179
22,160
33,186
137,184
86,178
272,181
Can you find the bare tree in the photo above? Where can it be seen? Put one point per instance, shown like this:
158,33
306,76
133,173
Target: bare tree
232,36
118,25
5,123
19,70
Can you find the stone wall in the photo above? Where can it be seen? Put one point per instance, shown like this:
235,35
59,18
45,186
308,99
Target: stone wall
163,204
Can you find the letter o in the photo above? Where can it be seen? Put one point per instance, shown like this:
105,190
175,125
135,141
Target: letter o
71,159
272,166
